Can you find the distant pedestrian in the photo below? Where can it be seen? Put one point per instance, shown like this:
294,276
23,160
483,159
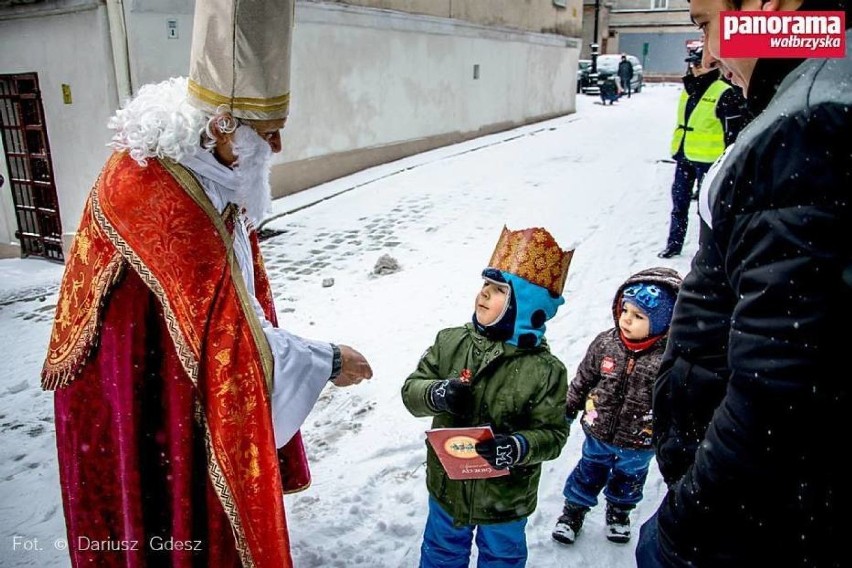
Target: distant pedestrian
613,388
710,115
496,370
609,90
625,74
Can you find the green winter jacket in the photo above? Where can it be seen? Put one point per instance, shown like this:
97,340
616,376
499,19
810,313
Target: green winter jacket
515,391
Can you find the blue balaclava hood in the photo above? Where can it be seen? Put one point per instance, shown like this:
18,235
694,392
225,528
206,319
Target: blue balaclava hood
530,306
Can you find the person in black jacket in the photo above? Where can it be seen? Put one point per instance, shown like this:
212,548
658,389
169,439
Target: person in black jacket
711,114
608,90
752,403
625,74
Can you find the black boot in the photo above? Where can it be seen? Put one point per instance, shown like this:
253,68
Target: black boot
569,523
669,251
617,523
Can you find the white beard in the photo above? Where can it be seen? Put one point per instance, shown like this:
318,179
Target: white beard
254,161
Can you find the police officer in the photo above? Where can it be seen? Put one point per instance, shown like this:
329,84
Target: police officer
710,114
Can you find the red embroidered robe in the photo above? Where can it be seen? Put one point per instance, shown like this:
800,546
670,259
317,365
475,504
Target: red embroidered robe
162,377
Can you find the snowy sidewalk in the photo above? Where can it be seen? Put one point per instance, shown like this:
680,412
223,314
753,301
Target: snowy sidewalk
583,176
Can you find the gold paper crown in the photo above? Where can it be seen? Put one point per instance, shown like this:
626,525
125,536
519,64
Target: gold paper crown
241,57
533,255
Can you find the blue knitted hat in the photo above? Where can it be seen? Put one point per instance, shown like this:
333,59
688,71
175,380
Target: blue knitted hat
656,302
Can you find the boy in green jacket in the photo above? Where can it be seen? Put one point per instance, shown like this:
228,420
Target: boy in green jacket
497,371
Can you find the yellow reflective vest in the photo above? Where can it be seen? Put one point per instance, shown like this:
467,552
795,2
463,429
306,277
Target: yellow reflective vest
705,138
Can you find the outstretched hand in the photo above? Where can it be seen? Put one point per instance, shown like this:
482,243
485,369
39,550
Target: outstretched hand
354,367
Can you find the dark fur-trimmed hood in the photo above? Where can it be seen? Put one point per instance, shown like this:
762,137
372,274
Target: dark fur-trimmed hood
659,275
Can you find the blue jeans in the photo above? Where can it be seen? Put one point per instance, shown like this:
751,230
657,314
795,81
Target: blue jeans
620,472
503,545
648,547
686,176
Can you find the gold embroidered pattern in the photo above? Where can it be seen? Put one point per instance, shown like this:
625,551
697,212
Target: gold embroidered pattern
184,352
93,269
220,486
534,255
194,190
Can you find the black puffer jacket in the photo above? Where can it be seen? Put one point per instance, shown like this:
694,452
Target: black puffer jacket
613,384
753,402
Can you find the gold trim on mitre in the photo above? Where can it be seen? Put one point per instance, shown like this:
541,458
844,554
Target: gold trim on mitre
240,57
534,255
213,101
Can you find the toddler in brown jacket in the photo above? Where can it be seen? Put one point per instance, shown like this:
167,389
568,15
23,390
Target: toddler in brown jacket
613,387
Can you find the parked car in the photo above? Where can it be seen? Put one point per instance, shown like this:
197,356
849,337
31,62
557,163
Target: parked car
608,66
583,67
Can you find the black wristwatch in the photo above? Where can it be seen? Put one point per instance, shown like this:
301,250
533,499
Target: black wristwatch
336,362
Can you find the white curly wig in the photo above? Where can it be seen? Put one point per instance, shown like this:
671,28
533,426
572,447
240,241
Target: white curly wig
159,123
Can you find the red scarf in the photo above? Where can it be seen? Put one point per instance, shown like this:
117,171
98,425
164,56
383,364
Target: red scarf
640,345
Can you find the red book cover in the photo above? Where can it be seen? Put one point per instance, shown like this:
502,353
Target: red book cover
456,450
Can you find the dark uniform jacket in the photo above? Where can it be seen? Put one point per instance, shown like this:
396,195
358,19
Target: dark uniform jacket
753,399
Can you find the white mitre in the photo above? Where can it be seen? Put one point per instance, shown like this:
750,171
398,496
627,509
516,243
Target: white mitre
240,57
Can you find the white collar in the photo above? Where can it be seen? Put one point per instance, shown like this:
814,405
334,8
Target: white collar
705,198
205,164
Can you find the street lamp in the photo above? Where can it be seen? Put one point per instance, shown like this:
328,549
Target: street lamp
593,74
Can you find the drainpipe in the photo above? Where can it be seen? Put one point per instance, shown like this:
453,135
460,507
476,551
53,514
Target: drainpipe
120,53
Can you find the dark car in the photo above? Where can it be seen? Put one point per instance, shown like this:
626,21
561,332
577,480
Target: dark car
583,66
608,67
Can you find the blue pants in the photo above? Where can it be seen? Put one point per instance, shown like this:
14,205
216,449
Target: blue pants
686,174
503,545
609,96
620,472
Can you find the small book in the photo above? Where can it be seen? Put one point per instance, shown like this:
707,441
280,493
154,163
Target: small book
456,448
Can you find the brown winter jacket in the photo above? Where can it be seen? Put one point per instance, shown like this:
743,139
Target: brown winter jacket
614,385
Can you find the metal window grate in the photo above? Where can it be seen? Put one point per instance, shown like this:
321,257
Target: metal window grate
27,153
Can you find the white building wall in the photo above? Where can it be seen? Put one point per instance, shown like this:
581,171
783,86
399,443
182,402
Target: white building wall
155,53
365,78
67,48
362,78
8,243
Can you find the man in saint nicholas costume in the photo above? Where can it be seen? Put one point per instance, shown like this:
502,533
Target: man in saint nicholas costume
178,399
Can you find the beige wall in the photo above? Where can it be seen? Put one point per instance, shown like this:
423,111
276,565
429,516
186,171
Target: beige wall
589,29
369,85
65,48
529,15
653,19
8,221
646,5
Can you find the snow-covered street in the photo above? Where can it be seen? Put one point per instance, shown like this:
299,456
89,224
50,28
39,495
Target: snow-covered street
598,179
